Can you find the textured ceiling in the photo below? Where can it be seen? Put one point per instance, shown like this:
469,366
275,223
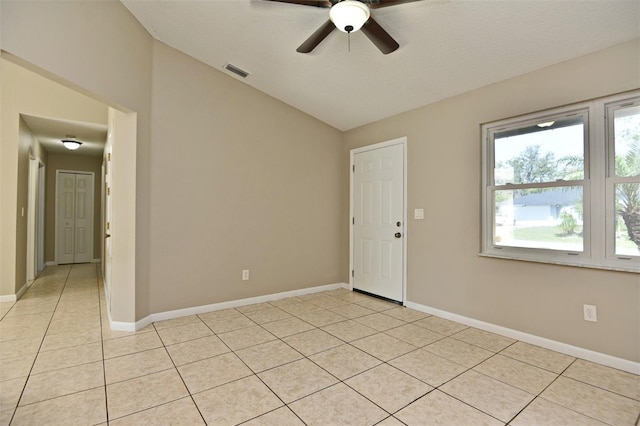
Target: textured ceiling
446,47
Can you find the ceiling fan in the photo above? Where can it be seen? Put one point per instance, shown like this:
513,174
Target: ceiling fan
349,16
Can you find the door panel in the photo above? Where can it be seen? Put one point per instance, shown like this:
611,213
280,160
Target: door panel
378,191
74,218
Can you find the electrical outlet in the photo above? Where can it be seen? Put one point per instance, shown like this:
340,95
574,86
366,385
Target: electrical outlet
245,275
590,313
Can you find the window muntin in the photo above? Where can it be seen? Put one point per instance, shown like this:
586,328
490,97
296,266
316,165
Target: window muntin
591,184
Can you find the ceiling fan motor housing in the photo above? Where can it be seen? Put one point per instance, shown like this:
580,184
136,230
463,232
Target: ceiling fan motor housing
349,15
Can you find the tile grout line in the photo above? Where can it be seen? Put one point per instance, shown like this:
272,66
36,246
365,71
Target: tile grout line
24,387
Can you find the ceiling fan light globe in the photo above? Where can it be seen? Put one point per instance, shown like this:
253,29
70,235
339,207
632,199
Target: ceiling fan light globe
349,15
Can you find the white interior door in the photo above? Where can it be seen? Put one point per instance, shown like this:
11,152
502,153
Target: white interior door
74,218
378,221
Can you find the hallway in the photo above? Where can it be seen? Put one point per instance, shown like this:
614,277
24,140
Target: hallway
328,358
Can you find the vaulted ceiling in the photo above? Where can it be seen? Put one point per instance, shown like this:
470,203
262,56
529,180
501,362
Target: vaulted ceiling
447,47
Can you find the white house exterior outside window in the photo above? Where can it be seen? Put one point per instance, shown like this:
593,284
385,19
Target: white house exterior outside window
563,185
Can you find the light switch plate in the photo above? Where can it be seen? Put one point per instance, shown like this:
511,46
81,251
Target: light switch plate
418,213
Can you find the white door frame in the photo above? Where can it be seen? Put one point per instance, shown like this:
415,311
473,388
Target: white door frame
399,141
93,201
35,213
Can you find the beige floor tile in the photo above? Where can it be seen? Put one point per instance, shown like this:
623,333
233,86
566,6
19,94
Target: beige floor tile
349,330
320,317
230,323
287,327
345,361
184,333
383,346
540,357
441,409
313,341
159,325
86,407
219,314
73,326
39,308
489,341
390,421
67,357
296,380
440,325
182,412
57,383
311,296
268,315
19,332
10,391
212,372
459,352
328,302
245,337
144,392
337,405
66,340
594,402
351,310
543,412
131,344
268,355
380,322
236,402
285,301
282,417
353,297
377,305
414,335
388,387
19,347
299,307
135,365
488,395
515,373
613,380
428,367
196,350
12,368
406,314
5,417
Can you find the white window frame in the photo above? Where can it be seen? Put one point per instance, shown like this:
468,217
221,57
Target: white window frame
598,188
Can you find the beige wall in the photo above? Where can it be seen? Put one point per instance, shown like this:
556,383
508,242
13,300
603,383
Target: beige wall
24,92
240,181
79,163
444,270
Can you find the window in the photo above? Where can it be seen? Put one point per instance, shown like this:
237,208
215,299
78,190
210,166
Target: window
563,186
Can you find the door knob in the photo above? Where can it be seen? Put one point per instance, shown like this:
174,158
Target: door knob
107,235
398,235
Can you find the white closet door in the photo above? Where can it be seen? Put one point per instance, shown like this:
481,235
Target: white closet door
74,218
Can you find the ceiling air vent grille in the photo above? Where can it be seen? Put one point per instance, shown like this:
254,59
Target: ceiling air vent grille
237,71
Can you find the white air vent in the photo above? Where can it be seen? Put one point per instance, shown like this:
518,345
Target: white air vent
237,71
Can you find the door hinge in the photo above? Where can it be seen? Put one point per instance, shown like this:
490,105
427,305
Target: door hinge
108,226
353,220
353,168
108,191
109,156
353,273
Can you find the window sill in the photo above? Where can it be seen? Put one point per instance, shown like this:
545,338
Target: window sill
559,263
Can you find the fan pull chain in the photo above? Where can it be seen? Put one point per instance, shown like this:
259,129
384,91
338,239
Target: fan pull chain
349,40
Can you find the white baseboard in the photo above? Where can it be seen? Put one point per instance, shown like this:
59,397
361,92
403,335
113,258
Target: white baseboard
51,263
178,313
17,296
575,351
96,261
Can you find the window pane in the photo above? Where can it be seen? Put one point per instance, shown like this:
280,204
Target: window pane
627,141
628,219
548,218
543,152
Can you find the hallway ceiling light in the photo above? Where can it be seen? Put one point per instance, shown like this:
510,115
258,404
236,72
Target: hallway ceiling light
71,144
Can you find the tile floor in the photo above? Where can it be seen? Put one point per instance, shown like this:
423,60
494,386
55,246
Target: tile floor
331,358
